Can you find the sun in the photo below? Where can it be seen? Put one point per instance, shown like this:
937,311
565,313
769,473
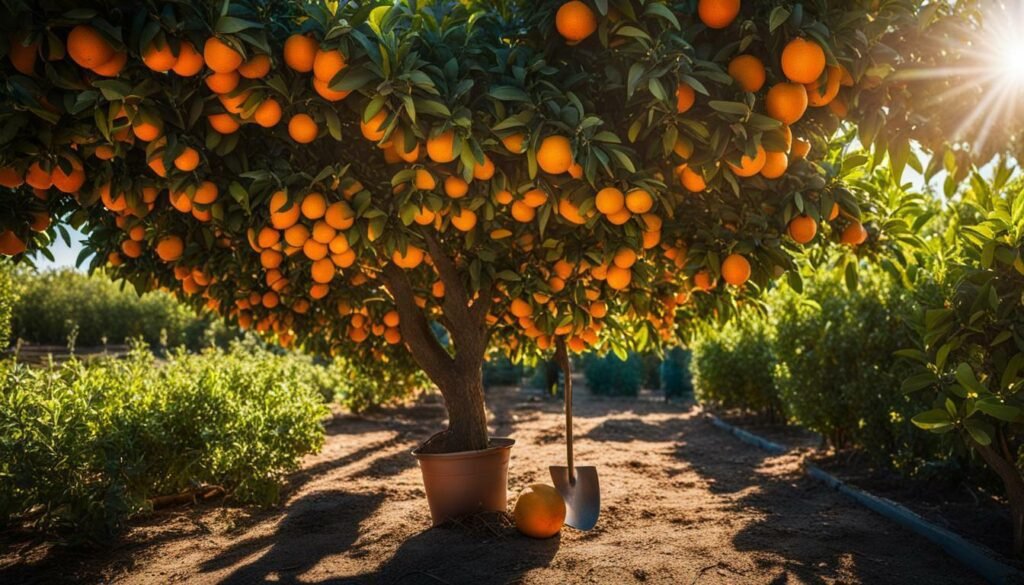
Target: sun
1009,60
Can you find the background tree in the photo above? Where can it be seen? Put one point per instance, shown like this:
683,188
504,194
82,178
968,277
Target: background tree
339,176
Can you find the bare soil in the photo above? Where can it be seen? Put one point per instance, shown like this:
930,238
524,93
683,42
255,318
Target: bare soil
683,503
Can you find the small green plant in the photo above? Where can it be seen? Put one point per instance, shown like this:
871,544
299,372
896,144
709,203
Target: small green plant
733,365
8,298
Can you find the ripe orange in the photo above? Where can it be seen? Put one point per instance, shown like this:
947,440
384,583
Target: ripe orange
283,212
323,271
570,211
522,212
575,21
802,229
10,177
159,58
11,244
147,131
314,206
68,182
534,198
408,153
441,147
554,156
424,181
815,97
131,248
424,216
748,71
223,123
703,281
314,250
455,187
610,201
485,171
268,237
786,102
834,212
220,57
268,113
88,47
692,180
327,64
639,201
748,166
736,270
339,216
539,511
373,129
170,248
300,53
190,62
23,57
520,308
801,148
112,67
37,177
464,220
624,258
618,278
222,83
188,160
854,234
296,235
323,90
302,128
685,97
179,200
619,218
514,143
256,67
718,13
206,193
412,258
775,165
803,61
503,197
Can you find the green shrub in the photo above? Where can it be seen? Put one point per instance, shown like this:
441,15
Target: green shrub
500,371
57,304
84,447
733,366
8,297
610,376
676,379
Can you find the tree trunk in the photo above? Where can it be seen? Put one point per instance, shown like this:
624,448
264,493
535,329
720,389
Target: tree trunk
463,393
1014,485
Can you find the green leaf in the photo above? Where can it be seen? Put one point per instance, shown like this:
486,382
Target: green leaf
919,382
993,407
933,419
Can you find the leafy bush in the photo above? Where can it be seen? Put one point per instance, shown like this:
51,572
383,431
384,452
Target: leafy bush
610,376
86,446
500,371
733,366
676,379
364,385
8,298
53,305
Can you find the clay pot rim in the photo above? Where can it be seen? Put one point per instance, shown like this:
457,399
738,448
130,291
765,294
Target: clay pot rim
496,444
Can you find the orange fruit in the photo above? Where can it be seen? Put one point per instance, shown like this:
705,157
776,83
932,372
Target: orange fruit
554,156
170,248
88,47
570,211
522,212
222,83
206,193
112,67
838,107
314,250
618,278
10,177
441,147
268,237
483,172
296,235
324,233
407,152
735,270
539,511
424,181
803,61
314,206
624,258
188,160
639,201
147,131
816,98
223,123
179,200
190,62
235,104
256,67
786,102
323,271
802,229
514,143
610,201
131,248
38,178
619,218
718,13
834,212
300,53
535,197
220,57
520,308
854,234
40,221
23,57
575,21
748,71
68,182
503,197
424,216
464,220
703,281
268,113
327,64
412,258
685,98
283,213
11,244
801,148
323,90
159,58
775,165
339,216
374,129
748,166
455,187
302,128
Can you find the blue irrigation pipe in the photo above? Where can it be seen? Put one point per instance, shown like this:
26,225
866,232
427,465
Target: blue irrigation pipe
977,558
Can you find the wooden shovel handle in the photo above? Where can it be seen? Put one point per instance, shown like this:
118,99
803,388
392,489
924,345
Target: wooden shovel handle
563,360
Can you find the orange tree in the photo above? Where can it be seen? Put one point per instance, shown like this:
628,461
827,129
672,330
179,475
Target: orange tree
348,176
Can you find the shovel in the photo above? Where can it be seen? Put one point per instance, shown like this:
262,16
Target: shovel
578,485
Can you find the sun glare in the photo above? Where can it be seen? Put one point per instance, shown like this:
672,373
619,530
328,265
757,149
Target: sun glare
1010,60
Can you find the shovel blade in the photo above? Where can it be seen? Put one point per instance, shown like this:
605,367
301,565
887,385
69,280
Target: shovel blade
582,497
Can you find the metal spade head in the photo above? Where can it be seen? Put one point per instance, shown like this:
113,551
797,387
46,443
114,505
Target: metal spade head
581,493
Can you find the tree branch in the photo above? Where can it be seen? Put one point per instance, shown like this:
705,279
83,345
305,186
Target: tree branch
468,326
419,337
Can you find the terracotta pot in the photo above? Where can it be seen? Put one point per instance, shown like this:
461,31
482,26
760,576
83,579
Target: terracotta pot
466,482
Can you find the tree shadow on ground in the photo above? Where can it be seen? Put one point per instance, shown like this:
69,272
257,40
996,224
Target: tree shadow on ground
797,528
289,551
456,556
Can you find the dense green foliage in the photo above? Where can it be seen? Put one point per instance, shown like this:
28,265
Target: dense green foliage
676,379
86,446
54,306
733,365
8,298
610,376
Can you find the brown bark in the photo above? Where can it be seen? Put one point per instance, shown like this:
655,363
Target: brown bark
459,377
1014,485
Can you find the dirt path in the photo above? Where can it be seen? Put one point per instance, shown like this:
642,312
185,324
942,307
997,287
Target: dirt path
683,503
